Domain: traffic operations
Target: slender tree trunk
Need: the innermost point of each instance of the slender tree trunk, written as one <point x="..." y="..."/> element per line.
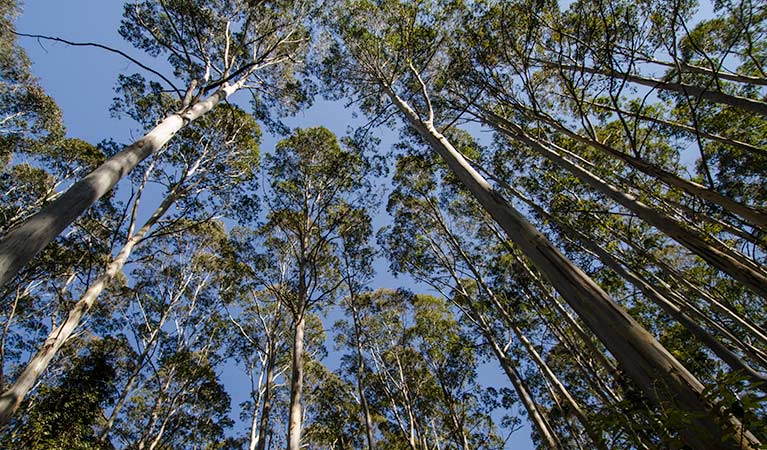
<point x="13" y="396"/>
<point x="735" y="362"/>
<point x="263" y="427"/>
<point x="661" y="377"/>
<point x="743" y="103"/>
<point x="154" y="415"/>
<point x="296" y="384"/>
<point x="737" y="266"/>
<point x="6" y="327"/>
<point x="686" y="128"/>
<point x="717" y="305"/>
<point x="546" y="432"/>
<point x="713" y="73"/>
<point x="139" y="365"/>
<point x="754" y="216"/>
<point x="23" y="242"/>
<point x="545" y="370"/>
<point x="360" y="384"/>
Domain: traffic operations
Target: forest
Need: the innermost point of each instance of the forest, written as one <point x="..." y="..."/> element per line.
<point x="573" y="215"/>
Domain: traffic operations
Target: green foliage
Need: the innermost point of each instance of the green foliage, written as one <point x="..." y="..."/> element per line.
<point x="64" y="415"/>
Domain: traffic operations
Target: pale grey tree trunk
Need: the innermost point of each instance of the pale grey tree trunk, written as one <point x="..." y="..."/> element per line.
<point x="360" y="383"/>
<point x="754" y="216"/>
<point x="535" y="415"/>
<point x="266" y="408"/>
<point x="660" y="376"/>
<point x="22" y="243"/>
<point x="727" y="260"/>
<point x="139" y="365"/>
<point x="735" y="362"/>
<point x="296" y="385"/>
<point x="745" y="103"/>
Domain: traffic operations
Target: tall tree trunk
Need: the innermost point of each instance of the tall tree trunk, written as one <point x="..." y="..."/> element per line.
<point x="263" y="426"/>
<point x="660" y="376"/>
<point x="682" y="127"/>
<point x="154" y="414"/>
<point x="735" y="362"/>
<point x="727" y="260"/>
<point x="754" y="216"/>
<point x="360" y="383"/>
<point x="745" y="103"/>
<point x="545" y="431"/>
<point x="296" y="384"/>
<point x="575" y="408"/>
<point x="13" y="396"/>
<point x="23" y="242"/>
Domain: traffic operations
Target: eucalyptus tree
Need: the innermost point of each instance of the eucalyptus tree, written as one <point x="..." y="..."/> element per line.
<point x="37" y="292"/>
<point x="204" y="172"/>
<point x="215" y="48"/>
<point x="334" y="422"/>
<point x="532" y="100"/>
<point x="35" y="161"/>
<point x="546" y="110"/>
<point x="261" y="345"/>
<point x="356" y="260"/>
<point x="311" y="204"/>
<point x="261" y="338"/>
<point x="630" y="39"/>
<point x="387" y="61"/>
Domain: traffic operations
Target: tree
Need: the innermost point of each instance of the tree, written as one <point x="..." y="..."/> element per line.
<point x="420" y="369"/>
<point x="220" y="151"/>
<point x="310" y="205"/>
<point x="170" y="393"/>
<point x="212" y="58"/>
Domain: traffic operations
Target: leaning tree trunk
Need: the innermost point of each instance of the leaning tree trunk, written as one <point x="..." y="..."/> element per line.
<point x="745" y="146"/>
<point x="139" y="365"/>
<point x="23" y="242"/>
<point x="744" y="103"/>
<point x="660" y="376"/>
<point x="656" y="295"/>
<point x="737" y="266"/>
<point x="542" y="425"/>
<point x="575" y="407"/>
<point x="754" y="216"/>
<point x="14" y="395"/>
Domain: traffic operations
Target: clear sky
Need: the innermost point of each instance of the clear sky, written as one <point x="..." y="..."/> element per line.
<point x="81" y="80"/>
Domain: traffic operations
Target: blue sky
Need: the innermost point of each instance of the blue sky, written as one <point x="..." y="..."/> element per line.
<point x="81" y="80"/>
